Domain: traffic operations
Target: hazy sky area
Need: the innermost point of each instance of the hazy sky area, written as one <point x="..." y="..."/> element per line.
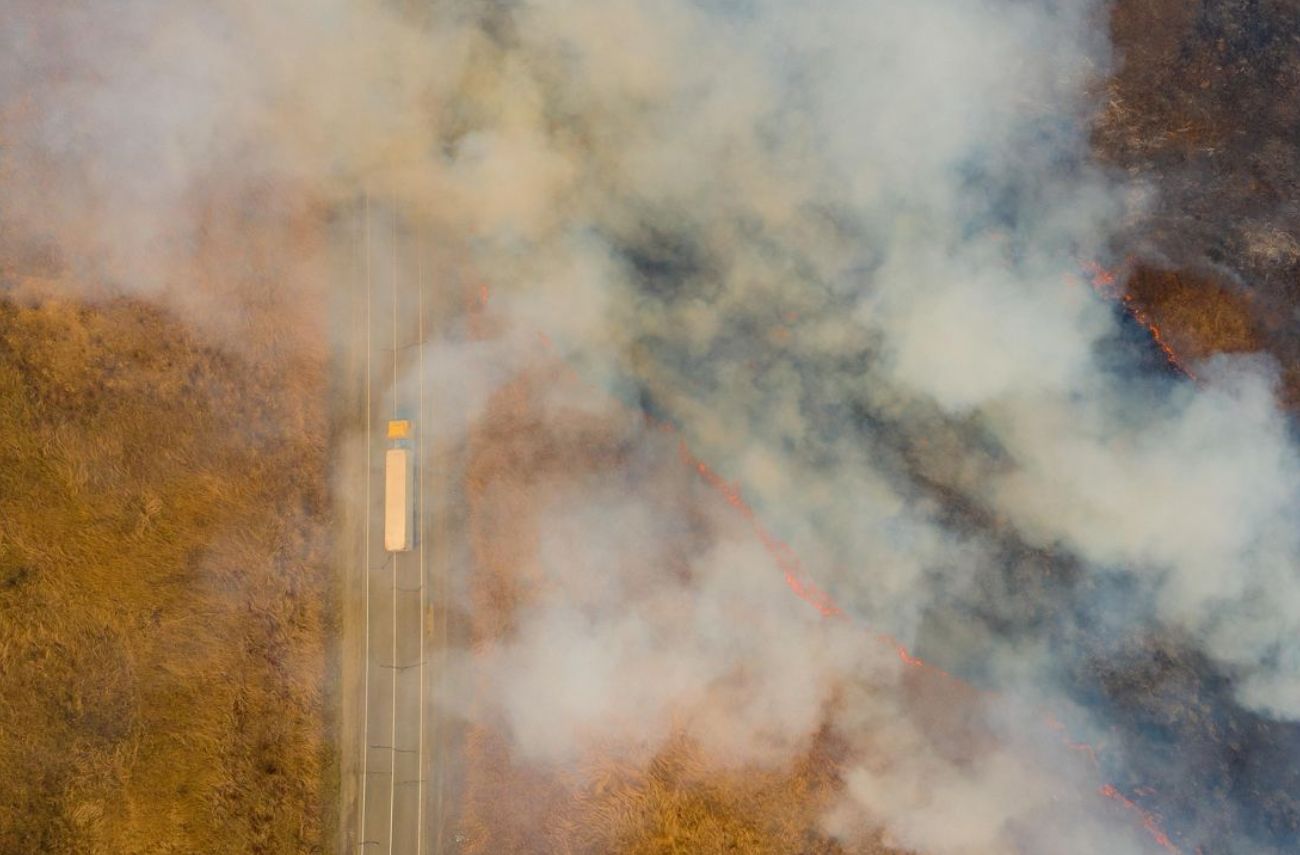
<point x="840" y="246"/>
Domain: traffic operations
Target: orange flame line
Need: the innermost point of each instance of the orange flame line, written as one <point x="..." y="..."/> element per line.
<point x="1149" y="821"/>
<point x="779" y="550"/>
<point x="1105" y="283"/>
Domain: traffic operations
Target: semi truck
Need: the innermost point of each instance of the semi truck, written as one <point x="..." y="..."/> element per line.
<point x="399" y="488"/>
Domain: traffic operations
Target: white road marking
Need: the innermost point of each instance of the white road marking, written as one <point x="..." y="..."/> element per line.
<point x="392" y="769"/>
<point x="420" y="531"/>
<point x="365" y="672"/>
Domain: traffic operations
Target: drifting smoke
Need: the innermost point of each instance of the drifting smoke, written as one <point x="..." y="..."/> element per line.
<point x="838" y="245"/>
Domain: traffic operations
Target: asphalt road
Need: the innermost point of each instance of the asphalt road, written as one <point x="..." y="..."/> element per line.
<point x="398" y="748"/>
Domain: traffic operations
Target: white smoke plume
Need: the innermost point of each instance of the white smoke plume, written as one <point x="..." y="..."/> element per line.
<point x="836" y="243"/>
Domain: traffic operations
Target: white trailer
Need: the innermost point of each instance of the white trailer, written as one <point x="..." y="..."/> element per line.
<point x="399" y="491"/>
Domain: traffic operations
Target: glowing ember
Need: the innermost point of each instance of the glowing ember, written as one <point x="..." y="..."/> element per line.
<point x="909" y="659"/>
<point x="1084" y="748"/>
<point x="1101" y="278"/>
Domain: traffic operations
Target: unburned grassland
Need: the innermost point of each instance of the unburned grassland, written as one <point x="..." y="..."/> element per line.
<point x="164" y="588"/>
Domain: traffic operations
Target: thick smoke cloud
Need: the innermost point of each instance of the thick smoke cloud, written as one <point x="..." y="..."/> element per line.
<point x="836" y="243"/>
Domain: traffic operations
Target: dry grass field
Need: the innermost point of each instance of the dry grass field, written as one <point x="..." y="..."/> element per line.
<point x="165" y="598"/>
<point x="167" y="604"/>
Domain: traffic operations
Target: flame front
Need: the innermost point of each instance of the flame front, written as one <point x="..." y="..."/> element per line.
<point x="1106" y="284"/>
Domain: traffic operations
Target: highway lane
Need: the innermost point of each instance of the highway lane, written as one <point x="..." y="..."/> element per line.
<point x="398" y="749"/>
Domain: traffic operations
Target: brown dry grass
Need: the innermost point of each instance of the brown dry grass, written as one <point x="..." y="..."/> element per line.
<point x="682" y="804"/>
<point x="1197" y="316"/>
<point x="163" y="589"/>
